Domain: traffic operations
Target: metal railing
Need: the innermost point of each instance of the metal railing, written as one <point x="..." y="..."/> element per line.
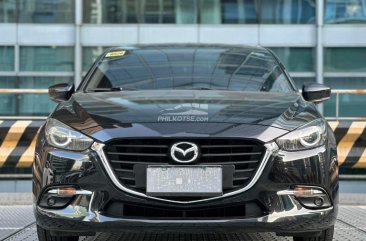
<point x="336" y="92"/>
<point x="23" y="91"/>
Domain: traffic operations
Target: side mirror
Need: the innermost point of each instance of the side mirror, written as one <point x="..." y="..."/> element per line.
<point x="60" y="92"/>
<point x="315" y="93"/>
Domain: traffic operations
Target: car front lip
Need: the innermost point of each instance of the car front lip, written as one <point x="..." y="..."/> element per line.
<point x="84" y="218"/>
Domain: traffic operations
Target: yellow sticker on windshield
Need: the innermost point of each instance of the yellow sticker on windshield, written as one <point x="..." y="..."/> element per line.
<point x="115" y="54"/>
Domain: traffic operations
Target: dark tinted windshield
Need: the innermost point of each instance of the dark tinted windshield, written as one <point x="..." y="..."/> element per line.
<point x="223" y="68"/>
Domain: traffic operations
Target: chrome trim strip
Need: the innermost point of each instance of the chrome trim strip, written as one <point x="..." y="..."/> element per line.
<point x="77" y="192"/>
<point x="288" y="156"/>
<point x="291" y="192"/>
<point x="321" y="100"/>
<point x="98" y="148"/>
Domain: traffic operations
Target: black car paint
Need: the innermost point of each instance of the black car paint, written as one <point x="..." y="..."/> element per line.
<point x="260" y="116"/>
<point x="283" y="111"/>
<point x="278" y="175"/>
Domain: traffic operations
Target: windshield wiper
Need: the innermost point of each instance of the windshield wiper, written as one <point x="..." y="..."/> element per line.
<point x="110" y="89"/>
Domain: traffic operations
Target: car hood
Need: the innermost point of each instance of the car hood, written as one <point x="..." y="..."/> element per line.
<point x="92" y="112"/>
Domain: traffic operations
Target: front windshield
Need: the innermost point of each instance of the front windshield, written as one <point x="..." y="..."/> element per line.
<point x="221" y="68"/>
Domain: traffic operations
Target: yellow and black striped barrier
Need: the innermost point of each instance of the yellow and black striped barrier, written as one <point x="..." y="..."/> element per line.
<point x="351" y="143"/>
<point x="17" y="144"/>
<point x="18" y="139"/>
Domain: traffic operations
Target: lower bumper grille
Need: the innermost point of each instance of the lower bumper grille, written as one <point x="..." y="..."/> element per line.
<point x="243" y="155"/>
<point x="243" y="210"/>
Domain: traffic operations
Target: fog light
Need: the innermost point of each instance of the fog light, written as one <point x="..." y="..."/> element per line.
<point x="319" y="201"/>
<point x="60" y="197"/>
<point x="51" y="201"/>
<point x="309" y="197"/>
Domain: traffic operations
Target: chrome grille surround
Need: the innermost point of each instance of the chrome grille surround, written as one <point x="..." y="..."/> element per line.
<point x="98" y="148"/>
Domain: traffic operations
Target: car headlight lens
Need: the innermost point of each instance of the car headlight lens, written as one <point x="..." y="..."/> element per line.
<point x="61" y="136"/>
<point x="308" y="136"/>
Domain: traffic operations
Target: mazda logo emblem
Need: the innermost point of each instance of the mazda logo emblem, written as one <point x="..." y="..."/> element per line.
<point x="184" y="152"/>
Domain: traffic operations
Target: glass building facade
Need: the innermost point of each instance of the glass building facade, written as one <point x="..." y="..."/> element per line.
<point x="43" y="42"/>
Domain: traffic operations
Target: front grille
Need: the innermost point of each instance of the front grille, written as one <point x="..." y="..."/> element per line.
<point x="126" y="154"/>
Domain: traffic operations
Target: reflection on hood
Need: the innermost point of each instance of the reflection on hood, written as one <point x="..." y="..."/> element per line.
<point x="86" y="110"/>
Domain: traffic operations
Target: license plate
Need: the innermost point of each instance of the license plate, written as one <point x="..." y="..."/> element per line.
<point x="184" y="181"/>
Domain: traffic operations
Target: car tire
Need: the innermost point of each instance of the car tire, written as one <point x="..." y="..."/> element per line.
<point x="45" y="235"/>
<point x="326" y="235"/>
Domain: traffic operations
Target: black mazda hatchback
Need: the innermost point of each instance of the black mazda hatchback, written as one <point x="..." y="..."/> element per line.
<point x="186" y="138"/>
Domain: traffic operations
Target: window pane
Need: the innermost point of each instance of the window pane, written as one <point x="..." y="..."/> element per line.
<point x="255" y="11"/>
<point x="7" y="11"/>
<point x="28" y="104"/>
<point x="186" y="11"/>
<point x="345" y="11"/>
<point x="38" y="104"/>
<point x="131" y="11"/>
<point x="300" y="81"/>
<point x="345" y="60"/>
<point x="42" y="82"/>
<point x="45" y="11"/>
<point x="90" y="54"/>
<point x="158" y="11"/>
<point x="6" y="58"/>
<point x="47" y="58"/>
<point x="296" y="59"/>
<point x="287" y="12"/>
<point x="8" y="101"/>
<point x="210" y="11"/>
<point x="349" y="105"/>
<point x="35" y="105"/>
<point x="234" y="11"/>
<point x="229" y="11"/>
<point x="110" y="11"/>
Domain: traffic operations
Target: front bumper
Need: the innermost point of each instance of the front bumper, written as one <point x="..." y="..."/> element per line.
<point x="283" y="213"/>
<point x="296" y="220"/>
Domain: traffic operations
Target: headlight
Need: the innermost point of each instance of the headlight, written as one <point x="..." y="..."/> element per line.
<point x="308" y="136"/>
<point x="61" y="136"/>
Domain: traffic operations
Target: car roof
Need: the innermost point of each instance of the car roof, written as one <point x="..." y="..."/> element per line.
<point x="236" y="47"/>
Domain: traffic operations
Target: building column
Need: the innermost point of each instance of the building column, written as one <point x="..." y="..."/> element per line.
<point x="78" y="48"/>
<point x="319" y="45"/>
